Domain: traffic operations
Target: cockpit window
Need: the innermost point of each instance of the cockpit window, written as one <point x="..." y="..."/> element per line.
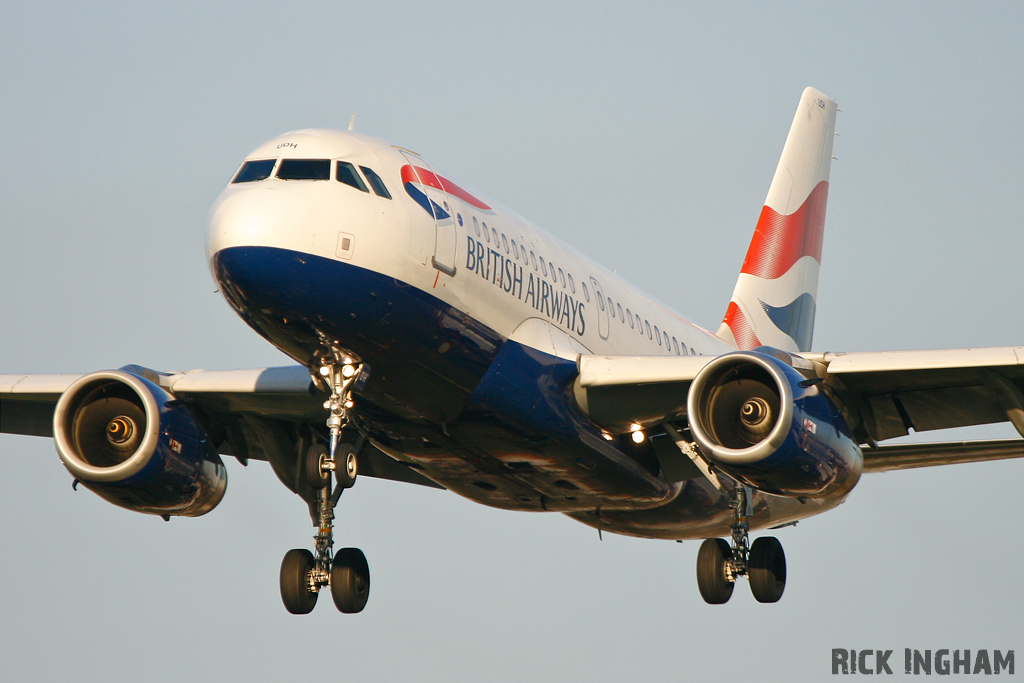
<point x="346" y="173"/>
<point x="252" y="171"/>
<point x="376" y="183"/>
<point x="304" y="169"/>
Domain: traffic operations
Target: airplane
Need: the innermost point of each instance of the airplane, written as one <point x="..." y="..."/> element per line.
<point x="442" y="340"/>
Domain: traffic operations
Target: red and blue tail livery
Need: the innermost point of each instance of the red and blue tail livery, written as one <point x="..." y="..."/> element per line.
<point x="774" y="300"/>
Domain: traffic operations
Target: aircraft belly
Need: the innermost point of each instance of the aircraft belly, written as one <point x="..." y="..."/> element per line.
<point x="425" y="357"/>
<point x="700" y="511"/>
<point x="489" y="419"/>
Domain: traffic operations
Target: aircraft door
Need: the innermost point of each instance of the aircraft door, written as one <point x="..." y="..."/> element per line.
<point x="435" y="201"/>
<point x="603" y="322"/>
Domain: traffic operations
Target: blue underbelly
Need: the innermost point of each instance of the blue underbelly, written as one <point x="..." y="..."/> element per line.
<point x="426" y="357"/>
<point x="490" y="419"/>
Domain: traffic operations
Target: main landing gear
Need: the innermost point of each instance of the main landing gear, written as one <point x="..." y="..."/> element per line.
<point x="719" y="564"/>
<point x="303" y="573"/>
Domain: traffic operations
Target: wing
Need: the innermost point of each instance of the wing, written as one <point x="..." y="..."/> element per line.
<point x="881" y="395"/>
<point x="891" y="393"/>
<point x="249" y="414"/>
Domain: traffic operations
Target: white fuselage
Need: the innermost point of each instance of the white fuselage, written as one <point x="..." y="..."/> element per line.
<point x="509" y="274"/>
<point x="396" y="268"/>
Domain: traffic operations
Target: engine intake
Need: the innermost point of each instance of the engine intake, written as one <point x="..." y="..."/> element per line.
<point x="130" y="442"/>
<point x="761" y="422"/>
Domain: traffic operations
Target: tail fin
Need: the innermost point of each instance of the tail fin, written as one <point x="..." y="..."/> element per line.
<point x="773" y="303"/>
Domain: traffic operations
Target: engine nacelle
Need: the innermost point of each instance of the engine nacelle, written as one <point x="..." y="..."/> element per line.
<point x="130" y="442"/>
<point x="763" y="423"/>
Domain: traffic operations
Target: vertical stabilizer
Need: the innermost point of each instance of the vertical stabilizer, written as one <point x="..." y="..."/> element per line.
<point x="774" y="300"/>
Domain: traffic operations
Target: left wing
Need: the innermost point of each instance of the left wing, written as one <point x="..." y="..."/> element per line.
<point x="881" y="395"/>
<point x="894" y="392"/>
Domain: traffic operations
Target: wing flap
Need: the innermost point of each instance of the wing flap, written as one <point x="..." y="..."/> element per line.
<point x="909" y="456"/>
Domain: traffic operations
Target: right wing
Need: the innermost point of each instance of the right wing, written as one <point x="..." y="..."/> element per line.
<point x="249" y="414"/>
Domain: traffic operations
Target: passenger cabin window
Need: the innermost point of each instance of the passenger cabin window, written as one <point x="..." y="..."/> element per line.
<point x="304" y="169"/>
<point x="377" y="184"/>
<point x="347" y="173"/>
<point x="252" y="171"/>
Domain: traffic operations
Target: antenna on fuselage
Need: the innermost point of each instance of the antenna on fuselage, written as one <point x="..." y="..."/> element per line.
<point x="352" y="122"/>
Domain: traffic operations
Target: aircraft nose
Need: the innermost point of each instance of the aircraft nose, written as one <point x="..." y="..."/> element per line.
<point x="260" y="217"/>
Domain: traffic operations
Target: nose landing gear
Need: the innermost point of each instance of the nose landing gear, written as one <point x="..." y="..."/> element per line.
<point x="303" y="573"/>
<point x="719" y="565"/>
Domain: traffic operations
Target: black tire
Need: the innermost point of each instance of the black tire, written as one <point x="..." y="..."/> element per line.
<point x="767" y="569"/>
<point x="350" y="580"/>
<point x="346" y="467"/>
<point x="711" y="559"/>
<point x="295" y="593"/>
<point x="315" y="474"/>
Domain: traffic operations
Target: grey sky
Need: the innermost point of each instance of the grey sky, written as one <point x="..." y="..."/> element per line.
<point x="646" y="137"/>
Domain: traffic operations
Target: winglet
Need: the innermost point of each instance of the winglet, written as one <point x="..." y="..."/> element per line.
<point x="774" y="300"/>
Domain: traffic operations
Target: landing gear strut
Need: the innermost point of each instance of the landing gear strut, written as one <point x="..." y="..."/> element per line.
<point x="719" y="564"/>
<point x="303" y="573"/>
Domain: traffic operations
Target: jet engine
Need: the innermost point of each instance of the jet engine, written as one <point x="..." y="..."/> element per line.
<point x="135" y="445"/>
<point x="762" y="422"/>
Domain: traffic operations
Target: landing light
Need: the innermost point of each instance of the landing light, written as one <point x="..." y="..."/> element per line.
<point x="638" y="436"/>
